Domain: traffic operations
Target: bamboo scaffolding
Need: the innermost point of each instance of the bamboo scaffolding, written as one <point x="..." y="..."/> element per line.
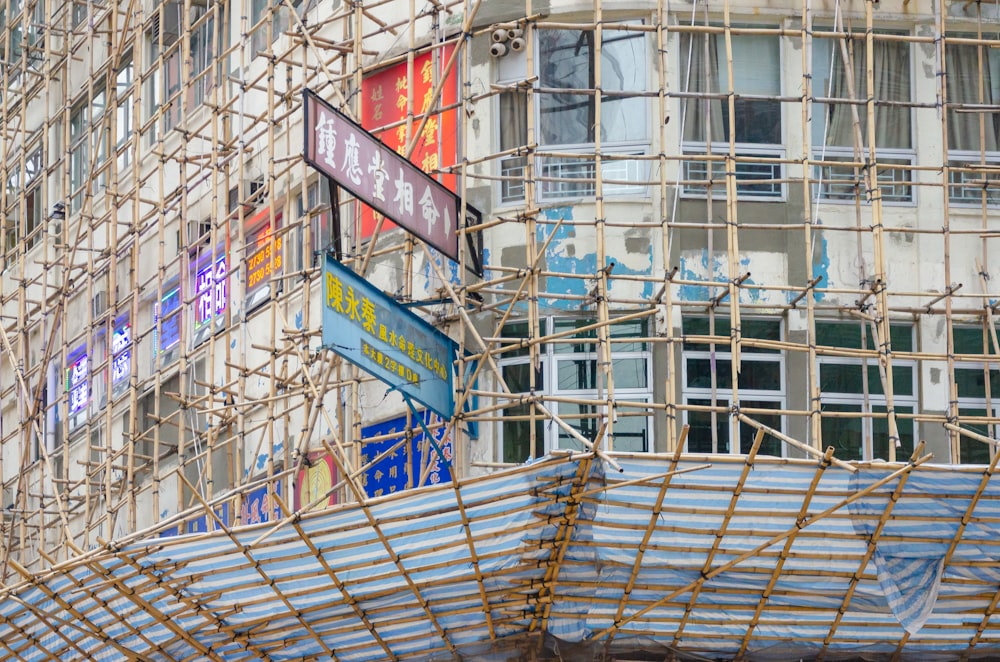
<point x="244" y="404"/>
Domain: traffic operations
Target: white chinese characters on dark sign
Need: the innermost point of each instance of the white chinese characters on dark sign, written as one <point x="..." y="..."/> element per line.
<point x="381" y="178"/>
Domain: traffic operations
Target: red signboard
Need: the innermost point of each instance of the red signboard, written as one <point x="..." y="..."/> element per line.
<point x="387" y="96"/>
<point x="381" y="178"/>
<point x="315" y="481"/>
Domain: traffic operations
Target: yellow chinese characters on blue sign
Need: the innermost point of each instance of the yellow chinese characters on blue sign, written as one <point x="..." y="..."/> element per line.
<point x="375" y="333"/>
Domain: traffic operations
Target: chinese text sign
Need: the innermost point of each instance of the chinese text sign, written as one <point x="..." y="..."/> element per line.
<point x="375" y="333"/>
<point x="387" y="94"/>
<point x="378" y="176"/>
<point x="404" y="467"/>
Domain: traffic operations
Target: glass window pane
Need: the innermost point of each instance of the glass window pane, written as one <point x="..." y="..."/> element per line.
<point x="902" y="380"/>
<point x="841" y="378"/>
<point x="629" y="373"/>
<point x="756" y="69"/>
<point x="848" y="335"/>
<point x="769" y="445"/>
<point x="517" y="435"/>
<point x="567" y="62"/>
<point x="515" y="331"/>
<point x="833" y="123"/>
<point x="973" y="451"/>
<point x="631" y="431"/>
<point x="567" y="118"/>
<point x="583" y="418"/>
<point x="518" y="377"/>
<point x="972" y="131"/>
<point x="699" y="439"/>
<point x="577" y="375"/>
<point x="880" y="434"/>
<point x="971" y="383"/>
<point x="763" y="329"/>
<point x="844" y="434"/>
<point x="629" y="329"/>
<point x="623" y="68"/>
<point x="699" y="373"/>
<point x="972" y="340"/>
<point x="567" y="343"/>
<point x="839" y="334"/>
<point x="760" y="375"/>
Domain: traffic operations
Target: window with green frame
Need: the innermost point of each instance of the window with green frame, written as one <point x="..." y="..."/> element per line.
<point x="854" y="414"/>
<point x="568" y="372"/>
<point x="977" y="380"/>
<point x="708" y="385"/>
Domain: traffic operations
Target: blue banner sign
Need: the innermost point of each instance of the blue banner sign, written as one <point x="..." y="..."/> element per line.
<point x="201" y="524"/>
<point x="258" y="506"/>
<point x="403" y="467"/>
<point x="375" y="333"/>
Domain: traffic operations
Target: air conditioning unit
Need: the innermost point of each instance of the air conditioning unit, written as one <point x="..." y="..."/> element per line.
<point x="254" y="192"/>
<point x="99" y="304"/>
<point x="169" y="26"/>
<point x="199" y="232"/>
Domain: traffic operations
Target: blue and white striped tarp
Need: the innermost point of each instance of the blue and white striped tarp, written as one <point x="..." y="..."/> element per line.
<point x="562" y="554"/>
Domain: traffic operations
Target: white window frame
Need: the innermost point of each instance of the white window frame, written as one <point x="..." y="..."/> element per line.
<point x="906" y="156"/>
<point x="724" y="396"/>
<point x="632" y="170"/>
<point x="900" y="160"/>
<point x="554" y="437"/>
<point x="866" y="402"/>
<point x="690" y="170"/>
<point x="974" y="158"/>
<point x="966" y="403"/>
<point x="124" y="119"/>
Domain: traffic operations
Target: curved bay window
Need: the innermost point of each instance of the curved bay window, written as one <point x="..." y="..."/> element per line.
<point x="566" y="114"/>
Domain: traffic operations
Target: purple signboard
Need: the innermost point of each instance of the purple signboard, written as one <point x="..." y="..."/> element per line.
<point x="378" y="176"/>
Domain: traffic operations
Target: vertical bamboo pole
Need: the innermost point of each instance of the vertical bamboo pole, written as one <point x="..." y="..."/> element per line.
<point x="815" y="429"/>
<point x="607" y="413"/>
<point x="732" y="230"/>
<point x="941" y="50"/>
<point x="535" y="446"/>
<point x="670" y="394"/>
<point x="880" y="276"/>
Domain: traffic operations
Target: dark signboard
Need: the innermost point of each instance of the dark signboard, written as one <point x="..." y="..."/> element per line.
<point x="378" y="176"/>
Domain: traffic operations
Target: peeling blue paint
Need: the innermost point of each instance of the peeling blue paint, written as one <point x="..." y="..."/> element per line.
<point x="262" y="461"/>
<point x="557" y="260"/>
<point x="452" y="270"/>
<point x="698" y="270"/>
<point x="298" y="320"/>
<point x="821" y="266"/>
<point x="233" y="344"/>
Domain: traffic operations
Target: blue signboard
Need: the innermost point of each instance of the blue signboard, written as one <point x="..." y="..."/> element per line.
<point x="375" y="333"/>
<point x="404" y="467"/>
<point x="259" y="507"/>
<point x="200" y="524"/>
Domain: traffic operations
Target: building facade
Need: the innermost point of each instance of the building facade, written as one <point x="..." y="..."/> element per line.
<point x="698" y="221"/>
